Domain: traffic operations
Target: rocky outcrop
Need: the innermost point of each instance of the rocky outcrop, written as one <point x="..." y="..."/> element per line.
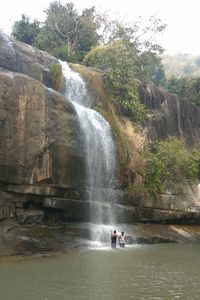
<point x="40" y="134"/>
<point x="169" y="115"/>
<point x="18" y="57"/>
<point x="44" y="240"/>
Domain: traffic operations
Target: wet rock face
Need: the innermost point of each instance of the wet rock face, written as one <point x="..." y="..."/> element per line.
<point x="169" y="115"/>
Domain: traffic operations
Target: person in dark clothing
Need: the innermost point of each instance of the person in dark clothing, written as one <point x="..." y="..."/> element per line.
<point x="114" y="239"/>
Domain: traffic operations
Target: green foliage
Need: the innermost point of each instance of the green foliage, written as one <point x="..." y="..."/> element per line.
<point x="187" y="87"/>
<point x="196" y="157"/>
<point x="87" y="36"/>
<point x="139" y="36"/>
<point x="46" y="40"/>
<point x="154" y="173"/>
<point x="62" y="20"/>
<point x="123" y="92"/>
<point x="151" y="68"/>
<point x="64" y="53"/>
<point x="169" y="161"/>
<point x="123" y="59"/>
<point x="119" y="78"/>
<point x="65" y="33"/>
<point x="26" y="31"/>
<point x="70" y="36"/>
<point x="56" y="70"/>
<point x="138" y="41"/>
<point x="99" y="57"/>
<point x="74" y="34"/>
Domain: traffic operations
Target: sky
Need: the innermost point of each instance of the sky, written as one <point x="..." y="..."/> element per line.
<point x="182" y="17"/>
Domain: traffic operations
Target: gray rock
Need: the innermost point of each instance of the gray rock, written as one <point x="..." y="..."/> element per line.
<point x="170" y="115"/>
<point x="22" y="58"/>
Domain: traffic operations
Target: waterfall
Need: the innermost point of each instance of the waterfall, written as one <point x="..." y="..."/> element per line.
<point x="100" y="149"/>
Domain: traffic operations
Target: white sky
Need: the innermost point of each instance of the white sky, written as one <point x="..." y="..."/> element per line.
<point x="182" y="17"/>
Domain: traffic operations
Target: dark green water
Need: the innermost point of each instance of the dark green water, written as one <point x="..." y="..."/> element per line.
<point x="162" y="271"/>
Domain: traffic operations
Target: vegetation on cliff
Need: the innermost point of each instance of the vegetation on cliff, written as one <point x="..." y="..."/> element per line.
<point x="170" y="162"/>
<point x="119" y="77"/>
<point x="187" y="87"/>
<point x="57" y="76"/>
<point x="182" y="76"/>
<point x="70" y="35"/>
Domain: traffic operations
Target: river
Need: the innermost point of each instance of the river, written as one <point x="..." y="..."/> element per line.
<point x="159" y="271"/>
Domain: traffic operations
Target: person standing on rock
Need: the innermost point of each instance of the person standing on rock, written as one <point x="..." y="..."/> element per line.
<point x="122" y="240"/>
<point x="114" y="239"/>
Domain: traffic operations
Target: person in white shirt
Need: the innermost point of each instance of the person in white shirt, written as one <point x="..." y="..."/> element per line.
<point x="122" y="240"/>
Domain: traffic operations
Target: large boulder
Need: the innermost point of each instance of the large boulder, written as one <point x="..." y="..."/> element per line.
<point x="40" y="134"/>
<point x="22" y="58"/>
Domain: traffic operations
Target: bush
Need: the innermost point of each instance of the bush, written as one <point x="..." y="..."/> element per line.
<point x="119" y="63"/>
<point x="169" y="161"/>
<point x="123" y="92"/>
<point x="57" y="77"/>
<point x="64" y="54"/>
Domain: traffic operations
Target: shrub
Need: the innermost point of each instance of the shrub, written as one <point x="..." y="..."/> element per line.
<point x="169" y="161"/>
<point x="56" y="70"/>
<point x="64" y="53"/>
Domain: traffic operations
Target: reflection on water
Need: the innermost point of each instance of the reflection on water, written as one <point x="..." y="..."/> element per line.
<point x="162" y="271"/>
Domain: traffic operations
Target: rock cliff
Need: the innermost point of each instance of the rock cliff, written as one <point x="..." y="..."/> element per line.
<point x="42" y="150"/>
<point x="169" y="115"/>
<point x="42" y="154"/>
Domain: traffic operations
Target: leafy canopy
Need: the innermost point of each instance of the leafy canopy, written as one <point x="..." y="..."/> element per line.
<point x="25" y="30"/>
<point x="187" y="87"/>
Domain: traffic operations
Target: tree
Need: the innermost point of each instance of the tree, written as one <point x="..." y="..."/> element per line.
<point x="62" y="21"/>
<point x="87" y="36"/>
<point x="141" y="44"/>
<point x="25" y="30"/>
<point x="139" y="36"/>
<point x="187" y="87"/>
<point x="121" y="86"/>
<point x="66" y="34"/>
<point x="150" y="68"/>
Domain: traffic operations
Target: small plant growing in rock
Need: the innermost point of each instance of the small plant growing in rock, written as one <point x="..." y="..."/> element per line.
<point x="57" y="77"/>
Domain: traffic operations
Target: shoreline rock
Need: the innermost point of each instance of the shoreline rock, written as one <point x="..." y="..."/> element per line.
<point x="46" y="240"/>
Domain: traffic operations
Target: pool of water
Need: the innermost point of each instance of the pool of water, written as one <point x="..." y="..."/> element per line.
<point x="161" y="271"/>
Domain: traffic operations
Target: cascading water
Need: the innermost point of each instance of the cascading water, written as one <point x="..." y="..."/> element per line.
<point x="100" y="149"/>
